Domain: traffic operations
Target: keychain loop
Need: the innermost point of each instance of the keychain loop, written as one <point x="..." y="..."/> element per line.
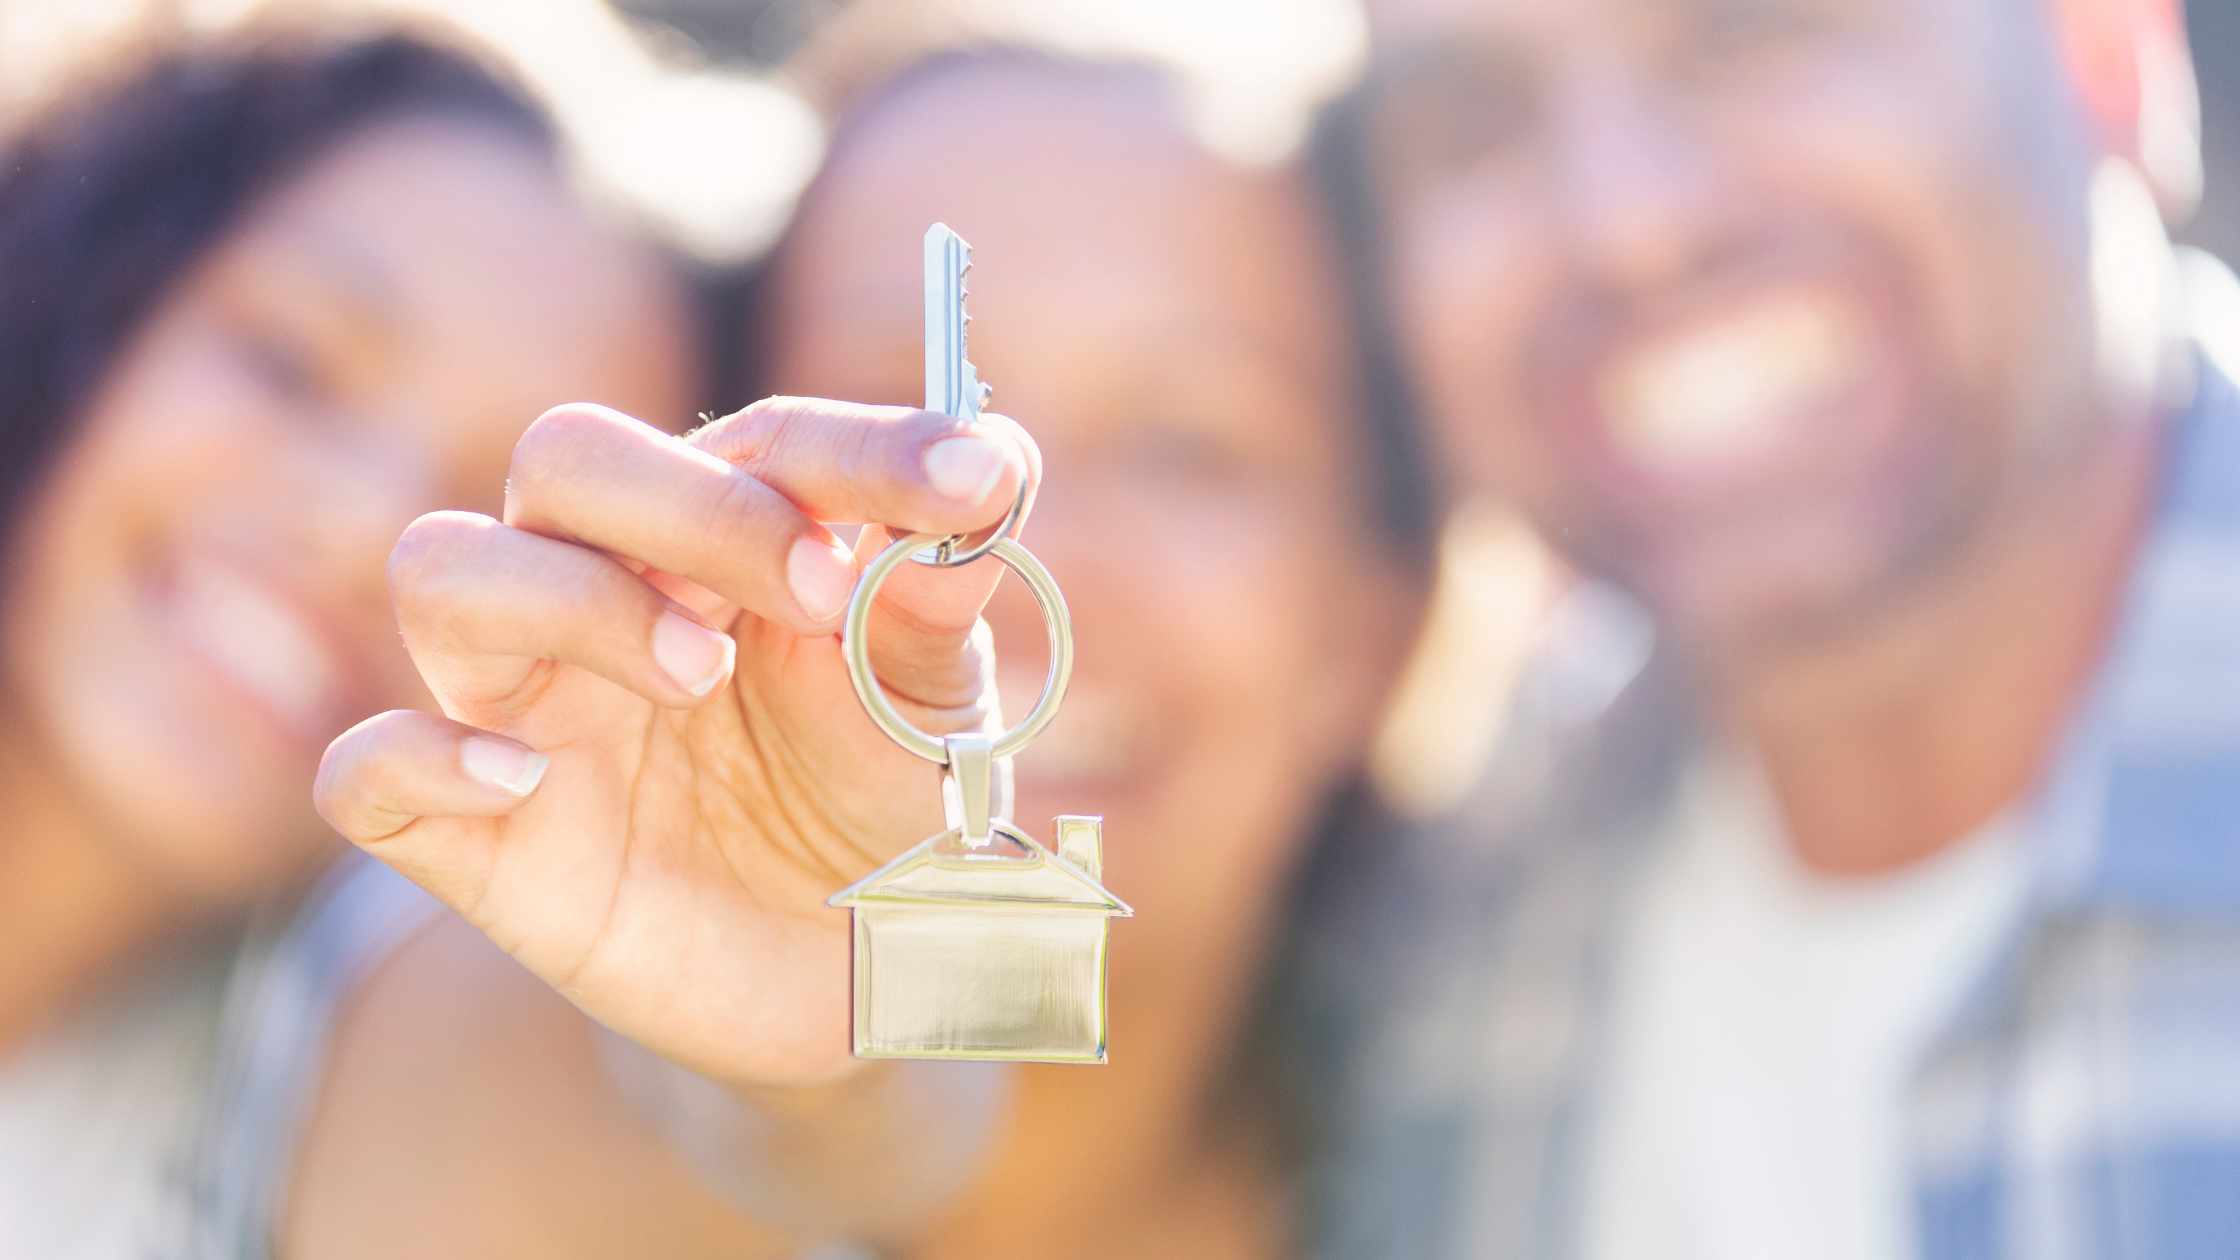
<point x="946" y="554"/>
<point x="855" y="645"/>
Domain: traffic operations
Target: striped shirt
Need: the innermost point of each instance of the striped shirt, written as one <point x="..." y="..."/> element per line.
<point x="2082" y="1098"/>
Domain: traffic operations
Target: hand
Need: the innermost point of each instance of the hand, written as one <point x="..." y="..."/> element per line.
<point x="652" y="770"/>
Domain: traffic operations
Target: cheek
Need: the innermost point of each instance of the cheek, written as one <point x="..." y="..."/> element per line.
<point x="169" y="425"/>
<point x="1473" y="264"/>
<point x="1229" y="664"/>
<point x="93" y="660"/>
<point x="1257" y="608"/>
<point x="1957" y="197"/>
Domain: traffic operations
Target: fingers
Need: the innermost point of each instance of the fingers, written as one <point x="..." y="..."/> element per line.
<point x="482" y="606"/>
<point x="736" y="507"/>
<point x="927" y="641"/>
<point x="912" y="470"/>
<point x="590" y="475"/>
<point x="387" y="772"/>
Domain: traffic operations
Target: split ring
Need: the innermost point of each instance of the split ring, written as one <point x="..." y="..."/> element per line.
<point x="855" y="643"/>
<point x="950" y="550"/>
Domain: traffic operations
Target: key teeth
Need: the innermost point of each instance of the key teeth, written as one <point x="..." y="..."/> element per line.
<point x="975" y="392"/>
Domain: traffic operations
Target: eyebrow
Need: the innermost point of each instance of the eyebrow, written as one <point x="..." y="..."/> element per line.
<point x="325" y="255"/>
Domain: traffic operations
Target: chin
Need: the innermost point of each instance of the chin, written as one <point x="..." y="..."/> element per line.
<point x="226" y="861"/>
<point x="220" y="826"/>
<point x="1785" y="618"/>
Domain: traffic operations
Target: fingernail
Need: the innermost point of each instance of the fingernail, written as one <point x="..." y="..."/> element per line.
<point x="693" y="656"/>
<point x="502" y="764"/>
<point x="964" y="468"/>
<point x="821" y="577"/>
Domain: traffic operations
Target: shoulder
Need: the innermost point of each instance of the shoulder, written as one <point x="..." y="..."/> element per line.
<point x="464" y="1102"/>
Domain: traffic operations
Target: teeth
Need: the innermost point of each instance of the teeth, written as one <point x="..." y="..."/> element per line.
<point x="1731" y="388"/>
<point x="258" y="639"/>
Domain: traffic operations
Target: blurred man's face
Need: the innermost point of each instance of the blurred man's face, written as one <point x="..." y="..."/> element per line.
<point x="1762" y="308"/>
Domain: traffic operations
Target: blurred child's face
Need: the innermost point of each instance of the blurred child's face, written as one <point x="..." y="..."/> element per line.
<point x="1165" y="325"/>
<point x="196" y="601"/>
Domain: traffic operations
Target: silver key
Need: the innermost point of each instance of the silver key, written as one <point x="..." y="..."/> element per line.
<point x="953" y="387"/>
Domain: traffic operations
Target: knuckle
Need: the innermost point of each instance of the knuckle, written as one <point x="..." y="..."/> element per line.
<point x="559" y="440"/>
<point x="741" y="512"/>
<point x="748" y="437"/>
<point x="429" y="551"/>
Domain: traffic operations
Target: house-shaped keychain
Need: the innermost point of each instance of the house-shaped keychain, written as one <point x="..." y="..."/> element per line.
<point x="979" y="943"/>
<point x="988" y="952"/>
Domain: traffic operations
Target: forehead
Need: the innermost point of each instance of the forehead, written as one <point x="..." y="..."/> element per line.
<point x="448" y="229"/>
<point x="1000" y="153"/>
<point x="1078" y="186"/>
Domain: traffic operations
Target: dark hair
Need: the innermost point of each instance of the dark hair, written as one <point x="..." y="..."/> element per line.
<point x="111" y="193"/>
<point x="1267" y="1087"/>
<point x="1408" y="494"/>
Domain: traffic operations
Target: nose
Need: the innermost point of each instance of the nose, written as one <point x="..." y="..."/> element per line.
<point x="352" y="500"/>
<point x="1641" y="199"/>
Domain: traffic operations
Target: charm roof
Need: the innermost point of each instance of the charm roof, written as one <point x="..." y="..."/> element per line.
<point x="1014" y="871"/>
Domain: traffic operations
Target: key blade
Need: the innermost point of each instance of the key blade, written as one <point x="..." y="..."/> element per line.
<point x="953" y="386"/>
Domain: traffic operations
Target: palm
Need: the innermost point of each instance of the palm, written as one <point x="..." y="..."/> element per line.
<point x="669" y="871"/>
<point x="670" y="876"/>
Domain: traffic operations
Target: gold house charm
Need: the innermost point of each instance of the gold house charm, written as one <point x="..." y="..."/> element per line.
<point x="996" y="952"/>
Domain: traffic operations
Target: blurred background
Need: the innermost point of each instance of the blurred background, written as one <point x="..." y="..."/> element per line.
<point x="702" y="125"/>
<point x="651" y="83"/>
<point x="701" y="119"/>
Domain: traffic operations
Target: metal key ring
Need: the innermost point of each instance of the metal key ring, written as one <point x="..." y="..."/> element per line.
<point x="949" y="551"/>
<point x="855" y="645"/>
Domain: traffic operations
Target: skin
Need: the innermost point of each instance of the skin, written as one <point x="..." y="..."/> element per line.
<point x="1908" y="582"/>
<point x="668" y="869"/>
<point x="321" y="375"/>
<point x="1913" y="608"/>
<point x="1195" y="415"/>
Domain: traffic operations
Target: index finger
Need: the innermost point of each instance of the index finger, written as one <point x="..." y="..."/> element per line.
<point x="849" y="462"/>
<point x="901" y="467"/>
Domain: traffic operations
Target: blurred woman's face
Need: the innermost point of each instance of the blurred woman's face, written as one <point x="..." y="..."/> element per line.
<point x="196" y="601"/>
<point x="1163" y="323"/>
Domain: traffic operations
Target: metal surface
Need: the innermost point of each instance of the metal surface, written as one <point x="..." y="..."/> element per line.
<point x="856" y="647"/>
<point x="953" y="384"/>
<point x="972" y="768"/>
<point x="961" y="549"/>
<point x="997" y="953"/>
<point x="978" y="943"/>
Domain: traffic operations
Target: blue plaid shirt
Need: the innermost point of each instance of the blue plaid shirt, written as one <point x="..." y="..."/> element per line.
<point x="2084" y="1098"/>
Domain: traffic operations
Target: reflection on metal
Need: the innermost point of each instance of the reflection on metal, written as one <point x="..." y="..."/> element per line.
<point x="953" y="384"/>
<point x="978" y="943"/>
<point x="995" y="952"/>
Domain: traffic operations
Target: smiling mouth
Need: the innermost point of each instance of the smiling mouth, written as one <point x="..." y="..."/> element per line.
<point x="255" y="636"/>
<point x="1730" y="390"/>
